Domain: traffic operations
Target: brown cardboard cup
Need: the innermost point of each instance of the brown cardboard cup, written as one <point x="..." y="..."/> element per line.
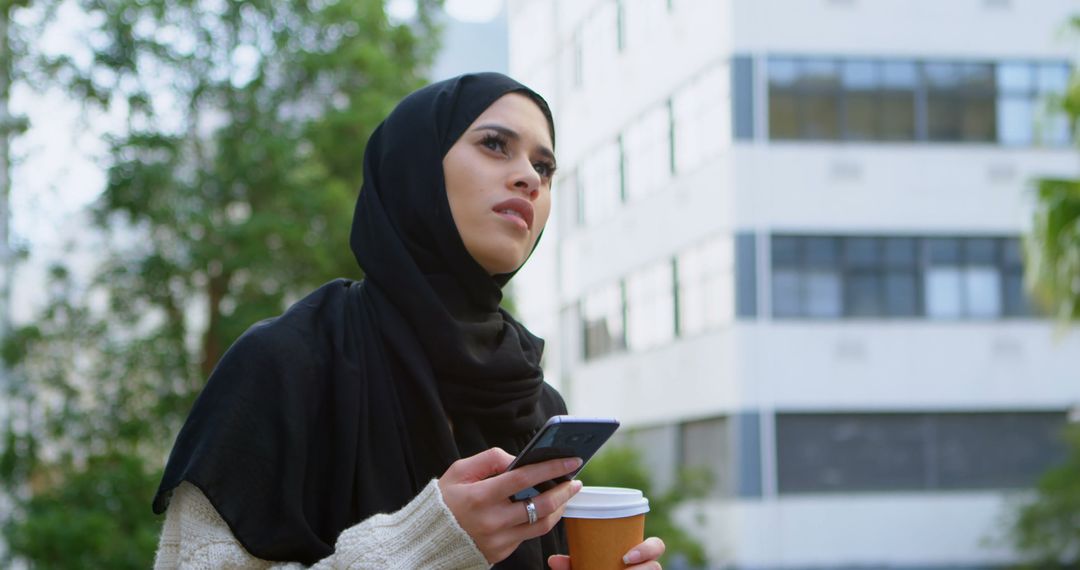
<point x="603" y="524"/>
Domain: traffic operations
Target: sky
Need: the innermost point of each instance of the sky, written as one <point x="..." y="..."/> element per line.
<point x="58" y="162"/>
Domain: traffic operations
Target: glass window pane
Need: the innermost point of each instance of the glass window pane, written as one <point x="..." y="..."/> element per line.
<point x="943" y="251"/>
<point x="898" y="115"/>
<point x="819" y="115"/>
<point x="1053" y="78"/>
<point x="650" y="307"/>
<point x="705" y="445"/>
<point x="861" y="116"/>
<point x="900" y="252"/>
<point x="783" y="115"/>
<point x="602" y="315"/>
<point x="1015" y="118"/>
<point x="1016" y="302"/>
<point x="901" y="294"/>
<point x="786" y="298"/>
<point x="821" y="251"/>
<point x="850" y="452"/>
<point x="981" y="251"/>
<point x="942" y="76"/>
<point x="861" y="252"/>
<point x="860" y="76"/>
<point x="977" y="78"/>
<point x="1015" y="78"/>
<point x="979" y="120"/>
<point x="1011" y="253"/>
<point x="782" y="72"/>
<point x="997" y="450"/>
<point x="983" y="292"/>
<point x="785" y="251"/>
<point x="822" y="290"/>
<point x="943" y="292"/>
<point x="944" y="114"/>
<point x="819" y="75"/>
<point x="899" y="75"/>
<point x="863" y="295"/>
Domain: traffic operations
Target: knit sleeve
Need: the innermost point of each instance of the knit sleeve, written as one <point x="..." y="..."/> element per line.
<point x="423" y="534"/>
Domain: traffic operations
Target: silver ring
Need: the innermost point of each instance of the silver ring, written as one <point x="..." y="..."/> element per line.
<point x="530" y="509"/>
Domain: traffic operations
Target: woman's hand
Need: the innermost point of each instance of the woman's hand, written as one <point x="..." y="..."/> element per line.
<point x="642" y="556"/>
<point x="477" y="491"/>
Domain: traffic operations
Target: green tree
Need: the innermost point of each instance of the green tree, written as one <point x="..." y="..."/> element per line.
<point x="623" y="467"/>
<point x="1045" y="530"/>
<point x="229" y="195"/>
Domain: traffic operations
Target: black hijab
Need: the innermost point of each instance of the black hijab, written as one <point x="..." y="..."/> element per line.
<point x="341" y="408"/>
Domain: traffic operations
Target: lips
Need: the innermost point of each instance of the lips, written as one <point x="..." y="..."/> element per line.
<point x="515" y="209"/>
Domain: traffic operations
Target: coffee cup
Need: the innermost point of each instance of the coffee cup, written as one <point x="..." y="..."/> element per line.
<point x="603" y="524"/>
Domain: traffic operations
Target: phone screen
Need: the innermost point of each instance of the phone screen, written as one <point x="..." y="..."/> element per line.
<point x="563" y="436"/>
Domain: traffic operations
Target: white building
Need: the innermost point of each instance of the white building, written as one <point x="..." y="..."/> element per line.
<point x="785" y="247"/>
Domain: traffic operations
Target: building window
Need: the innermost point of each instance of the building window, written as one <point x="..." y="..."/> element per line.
<point x="701" y="120"/>
<point x="1023" y="115"/>
<point x="806" y="277"/>
<point x="706" y="296"/>
<point x="650" y="307"/>
<point x="960" y="102"/>
<point x="897" y="277"/>
<point x="706" y="447"/>
<point x="601" y="182"/>
<point x="876" y="100"/>
<point x="823" y="452"/>
<point x="603" y="316"/>
<point x="647" y="146"/>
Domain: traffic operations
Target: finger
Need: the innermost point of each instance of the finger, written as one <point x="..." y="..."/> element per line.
<point x="480" y="466"/>
<point x="530" y="475"/>
<point x="542" y="526"/>
<point x="553" y="501"/>
<point x="555" y="498"/>
<point x="651" y="549"/>
<point x="559" y="562"/>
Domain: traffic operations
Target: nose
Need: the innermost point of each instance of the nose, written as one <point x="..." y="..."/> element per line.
<point x="525" y="179"/>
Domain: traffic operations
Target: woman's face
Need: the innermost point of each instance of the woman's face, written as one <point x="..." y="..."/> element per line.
<point x="498" y="182"/>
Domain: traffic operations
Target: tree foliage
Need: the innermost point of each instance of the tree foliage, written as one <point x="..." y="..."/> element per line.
<point x="229" y="194"/>
<point x="1045" y="530"/>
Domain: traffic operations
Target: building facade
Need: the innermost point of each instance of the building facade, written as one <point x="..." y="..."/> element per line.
<point x="786" y="247"/>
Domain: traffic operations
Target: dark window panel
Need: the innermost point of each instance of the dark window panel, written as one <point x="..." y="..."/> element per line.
<point x="850" y="452"/>
<point x="821" y="251"/>
<point x="980" y="251"/>
<point x="786" y="295"/>
<point x="819" y="75"/>
<point x="863" y="291"/>
<point x="1016" y="301"/>
<point x="1011" y="252"/>
<point x="901" y="294"/>
<point x="996" y="450"/>
<point x="862" y="116"/>
<point x="745" y="275"/>
<point x="783" y="115"/>
<point x="861" y="252"/>
<point x="978" y="121"/>
<point x="943" y="251"/>
<point x="819" y="116"/>
<point x="897" y="115"/>
<point x="742" y="100"/>
<point x="786" y="251"/>
<point x="900" y="252"/>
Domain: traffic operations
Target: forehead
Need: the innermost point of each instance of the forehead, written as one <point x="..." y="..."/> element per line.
<point x="520" y="113"/>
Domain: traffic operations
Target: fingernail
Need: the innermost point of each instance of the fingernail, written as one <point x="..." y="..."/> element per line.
<point x="576" y="485"/>
<point x="572" y="463"/>
<point x="632" y="557"/>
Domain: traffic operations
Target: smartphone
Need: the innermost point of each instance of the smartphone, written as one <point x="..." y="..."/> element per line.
<point x="563" y="436"/>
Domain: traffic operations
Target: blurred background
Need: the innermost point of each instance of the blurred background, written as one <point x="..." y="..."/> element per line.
<point x="820" y="257"/>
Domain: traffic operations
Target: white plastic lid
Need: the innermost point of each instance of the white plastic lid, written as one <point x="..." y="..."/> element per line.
<point x="606" y="503"/>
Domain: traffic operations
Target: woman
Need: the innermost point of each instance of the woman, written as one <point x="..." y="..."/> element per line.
<point x="334" y="434"/>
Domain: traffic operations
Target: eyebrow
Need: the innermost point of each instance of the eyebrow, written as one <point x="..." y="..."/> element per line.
<point x="514" y="135"/>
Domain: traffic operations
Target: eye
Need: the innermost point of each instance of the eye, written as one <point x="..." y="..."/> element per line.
<point x="494" y="142"/>
<point x="546" y="170"/>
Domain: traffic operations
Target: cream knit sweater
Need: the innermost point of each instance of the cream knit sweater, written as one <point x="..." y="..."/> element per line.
<point x="423" y="534"/>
